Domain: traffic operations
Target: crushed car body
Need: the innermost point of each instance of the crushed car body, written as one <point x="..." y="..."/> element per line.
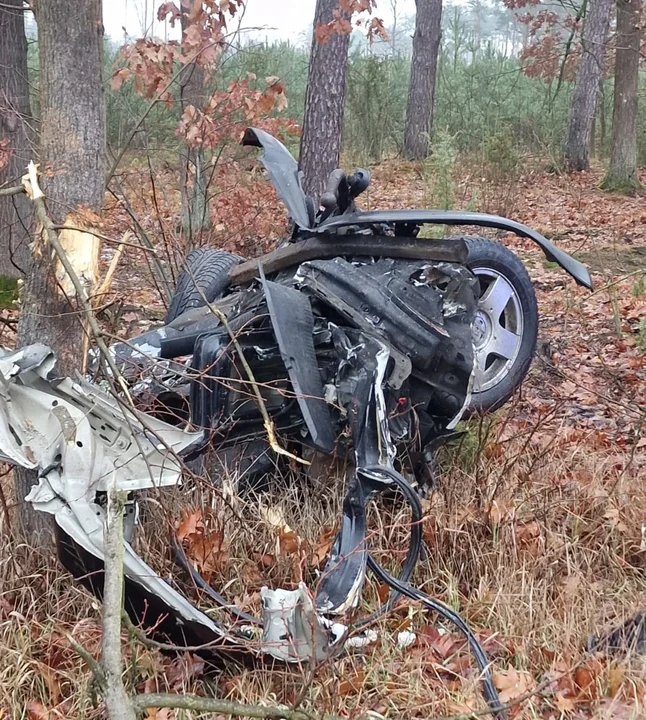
<point x="357" y="338"/>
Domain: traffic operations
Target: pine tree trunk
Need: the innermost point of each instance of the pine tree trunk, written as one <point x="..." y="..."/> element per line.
<point x="324" y="103"/>
<point x="73" y="162"/>
<point x="601" y="103"/>
<point x="421" y="91"/>
<point x="16" y="129"/>
<point x="193" y="174"/>
<point x="586" y="88"/>
<point x="622" y="173"/>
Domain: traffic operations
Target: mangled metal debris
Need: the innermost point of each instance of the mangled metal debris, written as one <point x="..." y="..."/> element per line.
<point x="357" y="338"/>
<point x="83" y="440"/>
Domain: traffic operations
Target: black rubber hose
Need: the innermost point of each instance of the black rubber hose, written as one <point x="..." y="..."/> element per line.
<point x="182" y="560"/>
<point x="415" y="542"/>
<point x="179" y="345"/>
<point x="403" y="588"/>
<point x="489" y="689"/>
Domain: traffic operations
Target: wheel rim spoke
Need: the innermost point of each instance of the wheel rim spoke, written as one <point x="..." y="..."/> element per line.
<point x="498" y="336"/>
<point x="504" y="343"/>
<point x="496" y="297"/>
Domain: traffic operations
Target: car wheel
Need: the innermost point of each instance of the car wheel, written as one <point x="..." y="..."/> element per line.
<point x="505" y="328"/>
<point x="205" y="278"/>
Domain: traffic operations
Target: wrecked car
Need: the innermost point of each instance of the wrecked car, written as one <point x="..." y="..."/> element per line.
<point x="358" y="337"/>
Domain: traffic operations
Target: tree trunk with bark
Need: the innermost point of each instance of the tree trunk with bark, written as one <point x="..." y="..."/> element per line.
<point x="622" y="173"/>
<point x="601" y="118"/>
<point x="324" y="103"/>
<point x="15" y="139"/>
<point x="194" y="176"/>
<point x="73" y="163"/>
<point x="421" y="90"/>
<point x="586" y="87"/>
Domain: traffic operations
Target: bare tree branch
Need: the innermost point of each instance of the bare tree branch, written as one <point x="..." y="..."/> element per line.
<point x="90" y="661"/>
<point x="117" y="702"/>
<point x="214" y="705"/>
<point x="16" y="190"/>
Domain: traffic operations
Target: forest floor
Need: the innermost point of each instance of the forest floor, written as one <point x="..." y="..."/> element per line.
<point x="534" y="532"/>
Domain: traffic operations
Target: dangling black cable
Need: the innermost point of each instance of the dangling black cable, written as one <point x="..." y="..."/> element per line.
<point x="399" y="585"/>
<point x="414" y="545"/>
<point x="489" y="689"/>
<point x="183" y="561"/>
<point x="403" y="588"/>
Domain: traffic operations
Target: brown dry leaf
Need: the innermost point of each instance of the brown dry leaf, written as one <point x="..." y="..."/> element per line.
<point x="383" y="592"/>
<point x="498" y="511"/>
<point x="267" y="560"/>
<point x="191" y="523"/>
<point x="512" y="683"/>
<point x="208" y="551"/>
<point x="352" y="684"/>
<point x="159" y="714"/>
<point x="322" y="550"/>
<point x="565" y="704"/>
<point x="53" y="686"/>
<point x="36" y="710"/>
<point x="528" y="532"/>
<point x="429" y="529"/>
<point x="288" y="541"/>
<point x="611" y="708"/>
<point x="251" y="576"/>
<point x="584" y="679"/>
<point x="494" y="644"/>
<point x="183" y="670"/>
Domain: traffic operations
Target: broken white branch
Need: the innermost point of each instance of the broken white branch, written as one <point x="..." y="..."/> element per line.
<point x="36" y="194"/>
<point x="30" y="181"/>
<point x="107" y="280"/>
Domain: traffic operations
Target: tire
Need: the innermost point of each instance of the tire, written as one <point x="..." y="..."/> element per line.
<point x="205" y="278"/>
<point x="507" y="308"/>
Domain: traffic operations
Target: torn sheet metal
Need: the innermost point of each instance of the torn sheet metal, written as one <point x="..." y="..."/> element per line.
<point x="292" y="630"/>
<point x="293" y="323"/>
<point x="82" y="442"/>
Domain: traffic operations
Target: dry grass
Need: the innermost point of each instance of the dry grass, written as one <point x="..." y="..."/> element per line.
<point x="538" y="547"/>
<point x="533" y="533"/>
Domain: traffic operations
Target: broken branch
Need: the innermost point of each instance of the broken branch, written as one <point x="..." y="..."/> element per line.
<point x="38" y="199"/>
<point x="117" y="702"/>
<point x="214" y="705"/>
<point x="268" y="423"/>
<point x="107" y="281"/>
<point x="16" y="190"/>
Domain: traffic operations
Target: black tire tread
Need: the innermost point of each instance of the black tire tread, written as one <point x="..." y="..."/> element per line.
<point x="206" y="276"/>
